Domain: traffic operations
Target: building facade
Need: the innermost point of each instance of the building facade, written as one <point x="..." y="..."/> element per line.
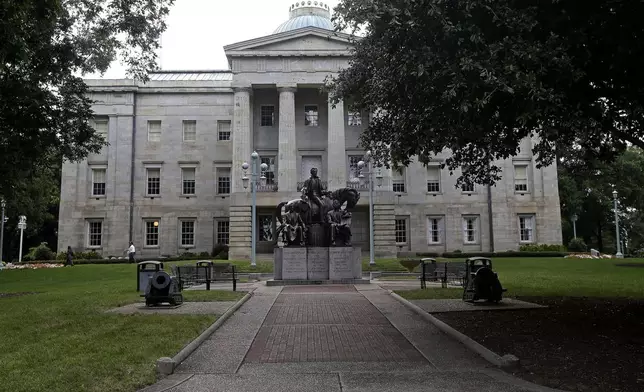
<point x="170" y="179"/>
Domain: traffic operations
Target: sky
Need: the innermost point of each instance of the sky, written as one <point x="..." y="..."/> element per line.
<point x="197" y="31"/>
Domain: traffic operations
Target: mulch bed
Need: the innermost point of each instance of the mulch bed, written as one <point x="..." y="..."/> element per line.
<point x="577" y="344"/>
<point x="17" y="294"/>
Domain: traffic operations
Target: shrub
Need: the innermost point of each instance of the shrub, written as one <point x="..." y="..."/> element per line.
<point x="40" y="252"/>
<point x="512" y="253"/>
<point x="542" y="248"/>
<point x="577" y="245"/>
<point x="219" y="248"/>
<point x="222" y="255"/>
<point x="204" y="255"/>
<point x="410" y="264"/>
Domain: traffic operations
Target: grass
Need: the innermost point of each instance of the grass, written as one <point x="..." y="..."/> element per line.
<point x="556" y="277"/>
<point x="60" y="339"/>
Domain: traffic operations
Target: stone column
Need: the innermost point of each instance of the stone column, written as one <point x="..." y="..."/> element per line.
<point x="241" y="136"/>
<point x="240" y="225"/>
<point x="336" y="148"/>
<point x="287" y="157"/>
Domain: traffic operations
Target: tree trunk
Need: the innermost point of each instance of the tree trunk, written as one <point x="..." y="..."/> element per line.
<point x="600" y="239"/>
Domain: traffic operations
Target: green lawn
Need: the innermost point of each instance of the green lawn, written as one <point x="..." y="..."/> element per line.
<point x="556" y="277"/>
<point x="389" y="265"/>
<point x="61" y="340"/>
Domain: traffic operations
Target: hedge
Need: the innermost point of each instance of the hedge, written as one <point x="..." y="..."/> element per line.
<point x="462" y="255"/>
<point x="122" y="261"/>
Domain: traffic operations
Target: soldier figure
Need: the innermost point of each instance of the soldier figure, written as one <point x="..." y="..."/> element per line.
<point x="339" y="222"/>
<point x="293" y="227"/>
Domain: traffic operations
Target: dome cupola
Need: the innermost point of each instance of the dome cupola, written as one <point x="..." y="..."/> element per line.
<point x="307" y="13"/>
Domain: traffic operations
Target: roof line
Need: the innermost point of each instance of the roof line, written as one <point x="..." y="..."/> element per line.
<point x="173" y="71"/>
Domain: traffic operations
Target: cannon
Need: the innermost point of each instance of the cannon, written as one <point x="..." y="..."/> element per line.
<point x="163" y="288"/>
<point x="481" y="282"/>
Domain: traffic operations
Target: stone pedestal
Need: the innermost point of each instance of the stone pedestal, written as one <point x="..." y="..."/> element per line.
<point x="344" y="263"/>
<point x="317" y="265"/>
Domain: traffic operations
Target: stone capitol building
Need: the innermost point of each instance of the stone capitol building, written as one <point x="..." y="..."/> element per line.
<point x="171" y="178"/>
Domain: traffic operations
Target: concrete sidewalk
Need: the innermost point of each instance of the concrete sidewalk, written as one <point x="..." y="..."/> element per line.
<point x="333" y="338"/>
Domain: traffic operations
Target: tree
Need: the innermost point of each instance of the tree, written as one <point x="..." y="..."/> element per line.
<point x="585" y="189"/>
<point x="477" y="76"/>
<point x="46" y="48"/>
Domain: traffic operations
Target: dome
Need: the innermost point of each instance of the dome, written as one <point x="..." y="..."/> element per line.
<point x="307" y="14"/>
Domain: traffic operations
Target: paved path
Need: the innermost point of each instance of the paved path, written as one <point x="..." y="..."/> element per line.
<point x="333" y="338"/>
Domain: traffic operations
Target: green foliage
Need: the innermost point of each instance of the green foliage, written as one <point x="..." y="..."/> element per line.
<point x="47" y="47"/>
<point x="577" y="245"/>
<point x="477" y="77"/>
<point x="40" y="252"/>
<point x="542" y="248"/>
<point x="550" y="254"/>
<point x="223" y="255"/>
<point x="410" y="264"/>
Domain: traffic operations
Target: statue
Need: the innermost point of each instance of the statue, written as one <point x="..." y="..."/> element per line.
<point x="313" y="191"/>
<point x="339" y="220"/>
<point x="292" y="228"/>
<point x="317" y="207"/>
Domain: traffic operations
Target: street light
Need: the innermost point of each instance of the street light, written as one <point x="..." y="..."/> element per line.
<point x="574" y="224"/>
<point x="3" y="204"/>
<point x="253" y="189"/>
<point x="22" y="225"/>
<point x="370" y="173"/>
<point x="619" y="254"/>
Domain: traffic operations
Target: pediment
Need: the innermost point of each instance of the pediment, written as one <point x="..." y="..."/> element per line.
<point x="309" y="40"/>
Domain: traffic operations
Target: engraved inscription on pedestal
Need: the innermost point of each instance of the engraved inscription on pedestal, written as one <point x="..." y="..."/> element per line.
<point x="341" y="262"/>
<point x="294" y="264"/>
<point x="318" y="263"/>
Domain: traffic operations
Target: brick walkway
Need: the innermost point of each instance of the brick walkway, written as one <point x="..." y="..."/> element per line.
<point x="332" y="323"/>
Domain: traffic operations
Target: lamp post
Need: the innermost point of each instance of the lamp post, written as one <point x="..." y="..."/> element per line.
<point x="574" y="225"/>
<point x="3" y="204"/>
<point x="370" y="174"/>
<point x="253" y="189"/>
<point x="22" y="225"/>
<point x="619" y="254"/>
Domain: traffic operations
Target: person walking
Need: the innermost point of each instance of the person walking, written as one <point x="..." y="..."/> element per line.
<point x="131" y="252"/>
<point x="70" y="257"/>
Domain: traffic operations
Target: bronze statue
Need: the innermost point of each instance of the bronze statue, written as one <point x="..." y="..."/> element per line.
<point x="339" y="221"/>
<point x="317" y="206"/>
<point x="313" y="191"/>
<point x="292" y="228"/>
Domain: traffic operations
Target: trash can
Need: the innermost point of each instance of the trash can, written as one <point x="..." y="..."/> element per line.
<point x="144" y="271"/>
<point x="204" y="272"/>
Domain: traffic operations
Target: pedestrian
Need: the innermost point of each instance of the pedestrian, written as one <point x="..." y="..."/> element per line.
<point x="70" y="255"/>
<point x="131" y="252"/>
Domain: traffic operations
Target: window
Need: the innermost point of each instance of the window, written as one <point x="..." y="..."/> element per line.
<point x="188" y="182"/>
<point x="353" y="170"/>
<point x="223" y="232"/>
<point x="101" y="126"/>
<point x="189" y="130"/>
<point x="98" y="182"/>
<point x="265" y="227"/>
<point x="152" y="233"/>
<point x="187" y="233"/>
<point x="467" y="188"/>
<point x="520" y="178"/>
<point x="354" y="118"/>
<point x="223" y="181"/>
<point x="470" y="229"/>
<point x="311" y="115"/>
<point x="95" y="234"/>
<point x="154" y="131"/>
<point x="267" y="116"/>
<point x="401" y="231"/>
<point x="154" y="181"/>
<point x="434" y="230"/>
<point x="526" y="228"/>
<point x="398" y="180"/>
<point x="433" y="179"/>
<point x="223" y="131"/>
<point x="270" y="172"/>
